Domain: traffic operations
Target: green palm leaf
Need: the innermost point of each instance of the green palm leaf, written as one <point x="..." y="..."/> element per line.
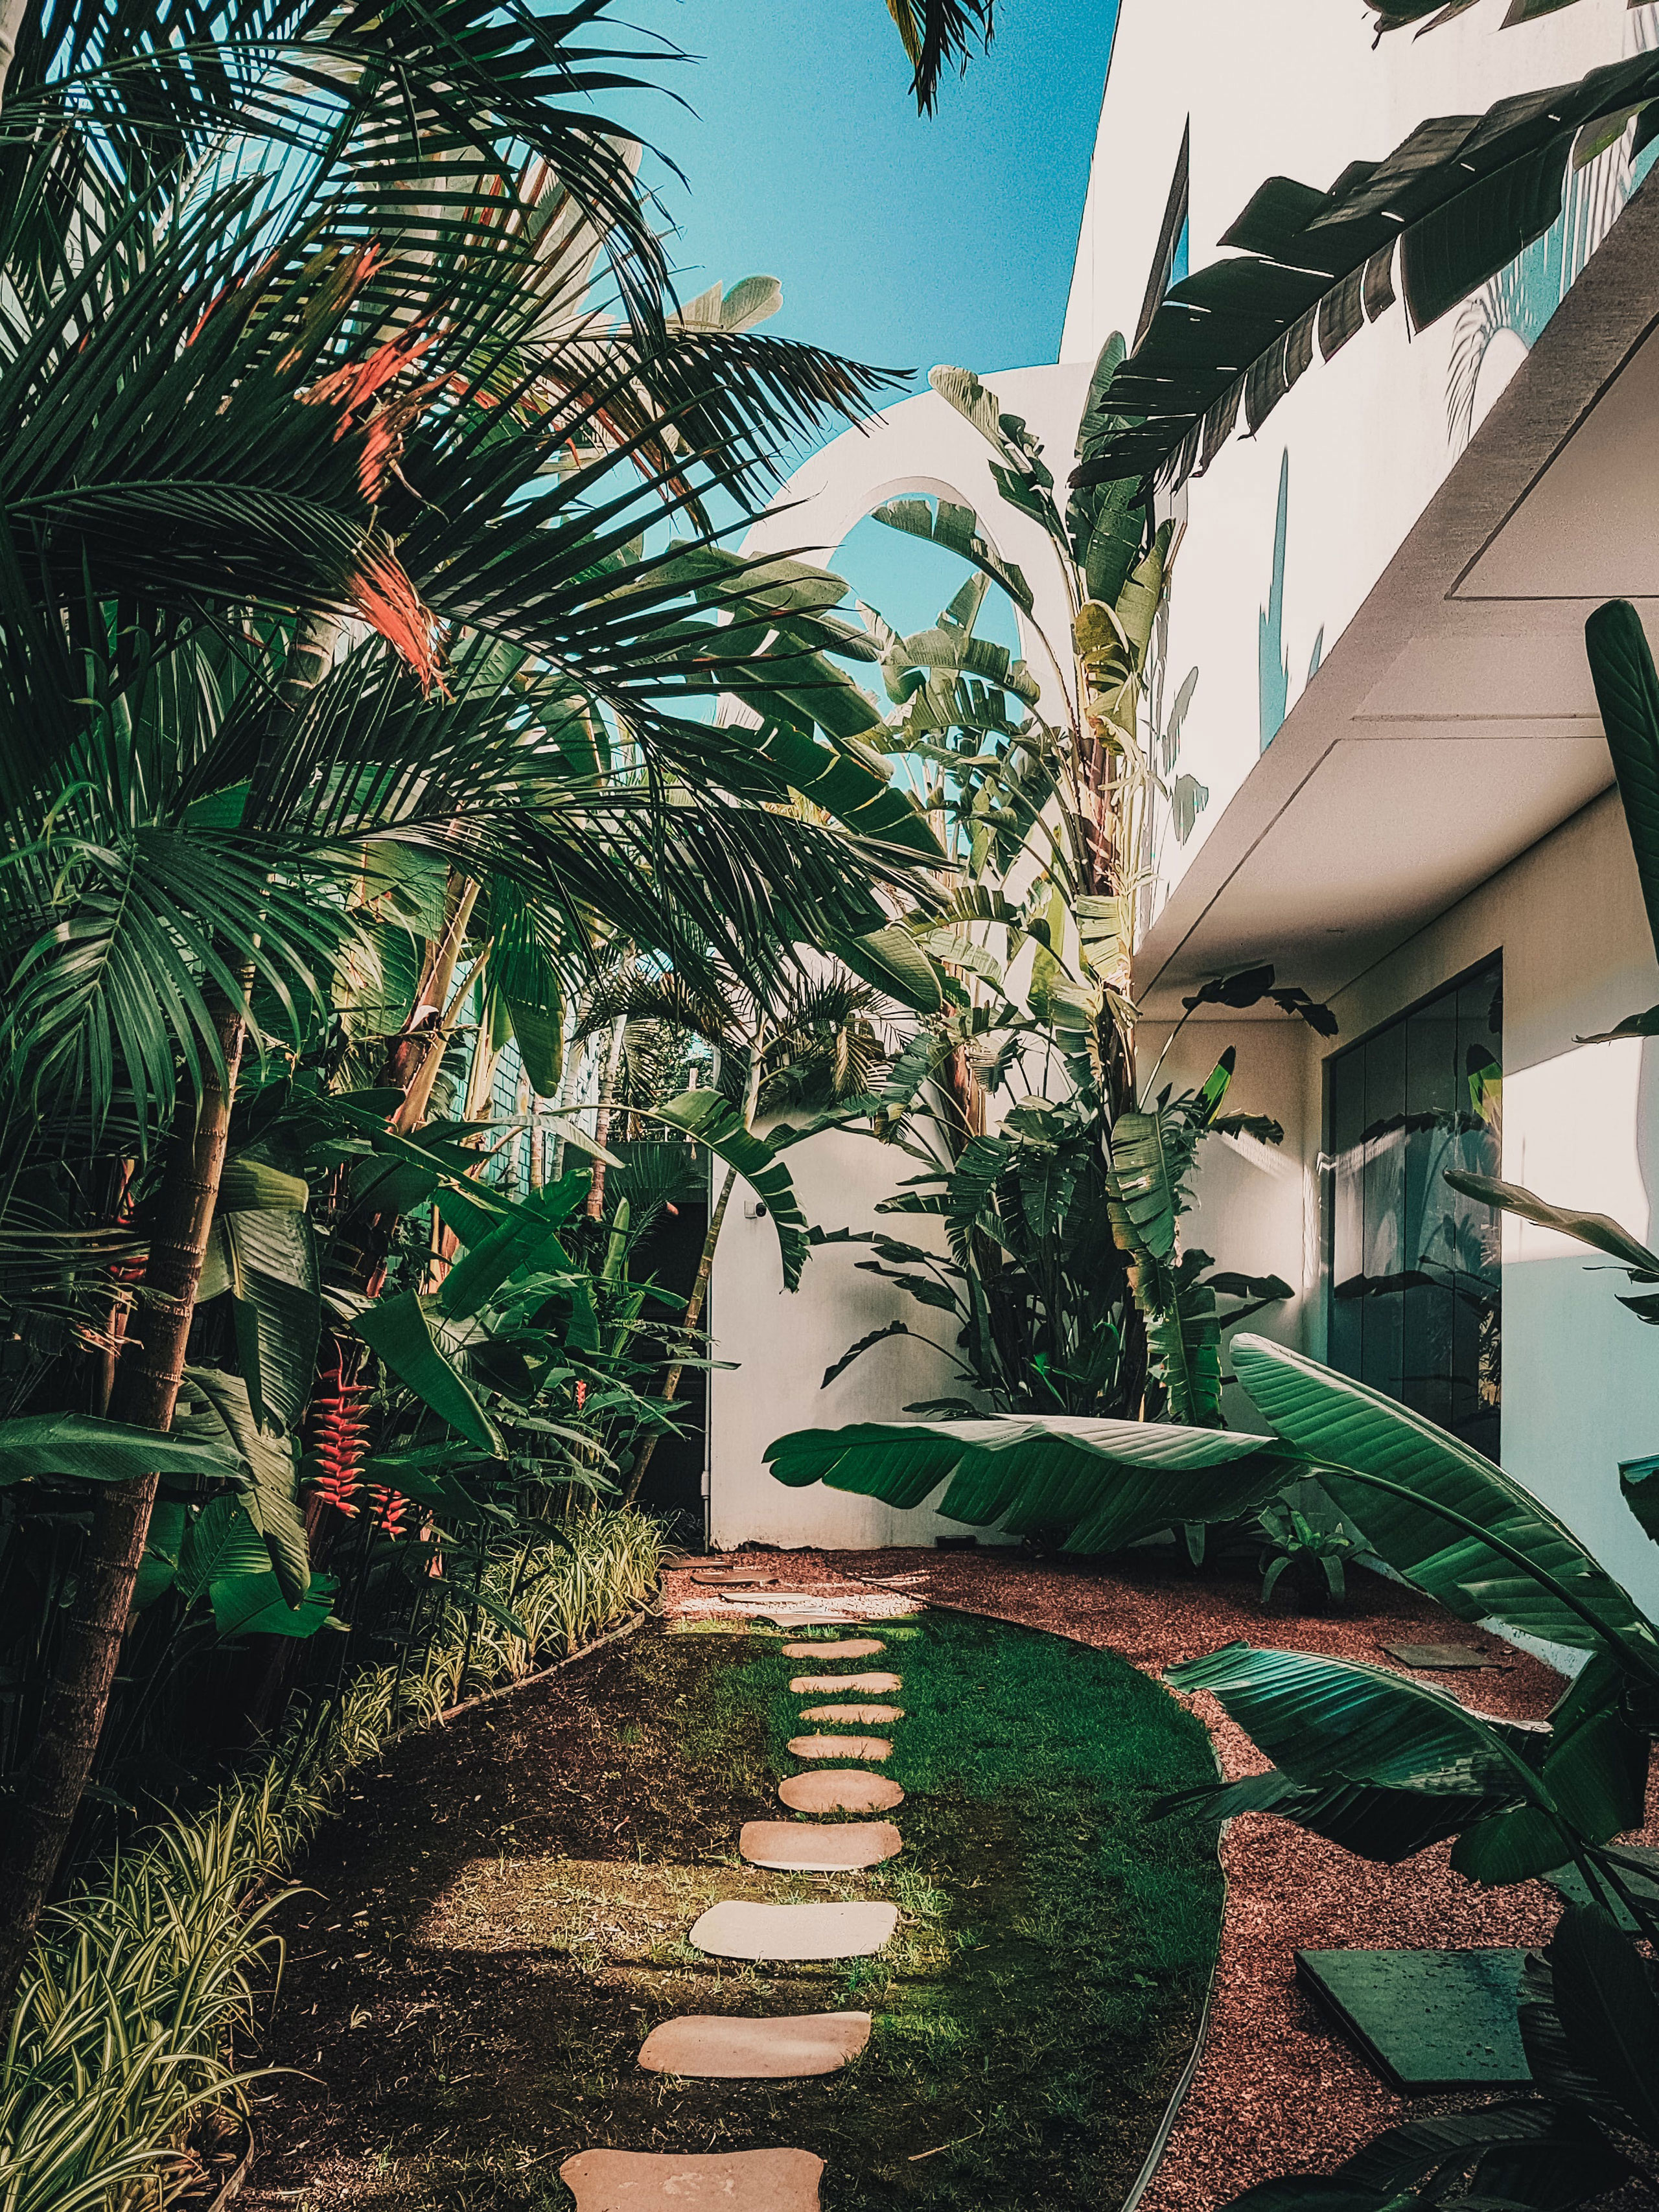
<point x="705" y="1116"/>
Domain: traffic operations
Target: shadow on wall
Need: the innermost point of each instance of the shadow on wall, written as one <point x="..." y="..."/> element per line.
<point x="1273" y="662"/>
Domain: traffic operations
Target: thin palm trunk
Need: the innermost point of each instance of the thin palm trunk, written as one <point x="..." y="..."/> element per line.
<point x="595" y="1208"/>
<point x="146" y="1392"/>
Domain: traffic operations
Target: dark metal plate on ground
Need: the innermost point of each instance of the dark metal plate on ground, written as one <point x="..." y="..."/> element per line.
<point x="1427" y="2020"/>
<point x="1439" y="1655"/>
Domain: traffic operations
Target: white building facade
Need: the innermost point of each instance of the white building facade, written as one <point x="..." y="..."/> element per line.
<point x="1391" y="780"/>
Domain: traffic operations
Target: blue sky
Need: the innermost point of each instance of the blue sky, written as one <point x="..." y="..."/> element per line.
<point x="898" y="239"/>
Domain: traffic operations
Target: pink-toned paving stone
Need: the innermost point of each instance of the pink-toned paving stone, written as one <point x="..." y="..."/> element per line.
<point x="803" y="1847"/>
<point x="844" y="1647"/>
<point x="840" y="1747"/>
<point x="878" y="1716"/>
<point x="804" y="1685"/>
<point x="737" y="1928"/>
<point x="726" y="2047"/>
<point x="733" y="2181"/>
<point x="840" y="1790"/>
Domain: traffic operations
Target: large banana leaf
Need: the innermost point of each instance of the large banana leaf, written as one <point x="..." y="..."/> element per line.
<point x="1457" y="199"/>
<point x="1112" y="1481"/>
<point x="1544" y="1581"/>
<point x="1183" y="1341"/>
<point x="96" y="1450"/>
<point x="400" y="1330"/>
<point x="1332" y="1727"/>
<point x="271" y="1500"/>
<point x="706" y="1116"/>
<point x="957" y="529"/>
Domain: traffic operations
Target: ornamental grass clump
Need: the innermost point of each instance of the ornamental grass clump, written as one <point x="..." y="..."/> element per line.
<point x="124" y="2031"/>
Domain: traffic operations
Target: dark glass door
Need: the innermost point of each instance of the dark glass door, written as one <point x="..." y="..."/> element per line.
<point x="1415" y="1291"/>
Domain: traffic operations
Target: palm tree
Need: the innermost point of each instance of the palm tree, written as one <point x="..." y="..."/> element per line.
<point x="326" y="517"/>
<point x="820" y="1041"/>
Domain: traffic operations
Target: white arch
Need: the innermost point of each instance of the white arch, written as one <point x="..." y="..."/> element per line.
<point x="922" y="445"/>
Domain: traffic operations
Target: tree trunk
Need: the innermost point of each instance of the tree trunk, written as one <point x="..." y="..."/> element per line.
<point x="693" y="1315"/>
<point x="595" y="1206"/>
<point x="147" y="1390"/>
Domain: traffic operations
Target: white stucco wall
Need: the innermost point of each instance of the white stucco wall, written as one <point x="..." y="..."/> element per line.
<point x="1581" y="1127"/>
<point x="1295" y="87"/>
<point x="781" y="1343"/>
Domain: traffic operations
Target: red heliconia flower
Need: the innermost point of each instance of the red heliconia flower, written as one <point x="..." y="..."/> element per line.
<point x="339" y="1440"/>
<point x="390" y="1508"/>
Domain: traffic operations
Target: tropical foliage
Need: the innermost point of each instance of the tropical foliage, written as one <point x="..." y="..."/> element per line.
<point x="1061" y="1288"/>
<point x="361" y="627"/>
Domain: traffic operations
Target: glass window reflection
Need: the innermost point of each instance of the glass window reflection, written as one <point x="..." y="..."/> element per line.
<point x="1415" y="1294"/>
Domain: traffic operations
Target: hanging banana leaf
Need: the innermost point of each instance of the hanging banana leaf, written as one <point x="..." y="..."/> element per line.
<point x="705" y="1116"/>
<point x="1457" y="199"/>
<point x="1561" y="1592"/>
<point x="272" y="1499"/>
<point x="1110" y="1481"/>
<point x="1597" y="1230"/>
<point x="1183" y="1341"/>
<point x="1627" y="693"/>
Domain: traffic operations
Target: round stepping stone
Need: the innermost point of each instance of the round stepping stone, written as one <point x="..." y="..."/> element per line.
<point x="734" y="1929"/>
<point x="842" y="1647"/>
<point x="798" y="1847"/>
<point x="722" y="2047"/>
<point x="732" y="2180"/>
<point x="882" y="1716"/>
<point x="840" y="1790"/>
<point x="840" y="1747"/>
<point x="804" y="1685"/>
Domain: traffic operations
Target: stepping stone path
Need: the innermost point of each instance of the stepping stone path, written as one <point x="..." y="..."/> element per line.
<point x="842" y="1847"/>
<point x="726" y="2047"/>
<point x="840" y="1747"/>
<point x="736" y="2181"/>
<point x="804" y="1686"/>
<point x="719" y="2047"/>
<point x="840" y="1790"/>
<point x="734" y="1929"/>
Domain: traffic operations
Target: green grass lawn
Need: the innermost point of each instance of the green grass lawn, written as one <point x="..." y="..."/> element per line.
<point x="1042" y="1994"/>
<point x="498" y="1917"/>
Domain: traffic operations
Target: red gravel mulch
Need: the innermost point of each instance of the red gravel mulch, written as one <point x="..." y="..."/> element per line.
<point x="1277" y="2089"/>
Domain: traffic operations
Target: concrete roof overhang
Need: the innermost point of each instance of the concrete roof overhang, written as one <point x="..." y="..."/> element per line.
<point x="1454" y="723"/>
